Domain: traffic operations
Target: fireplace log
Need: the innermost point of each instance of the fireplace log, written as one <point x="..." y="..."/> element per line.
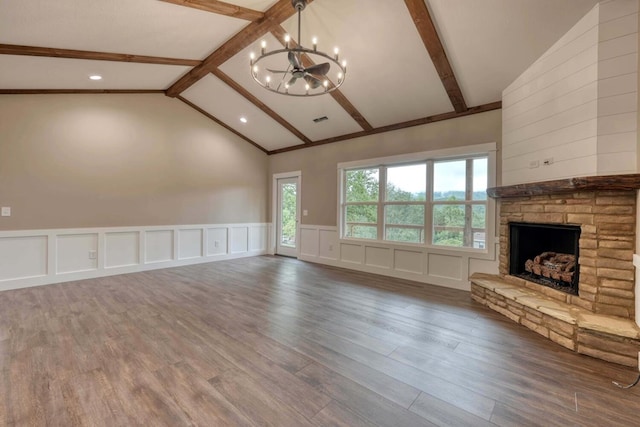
<point x="552" y="265"/>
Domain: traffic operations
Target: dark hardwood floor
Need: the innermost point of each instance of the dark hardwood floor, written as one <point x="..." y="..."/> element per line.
<point x="275" y="341"/>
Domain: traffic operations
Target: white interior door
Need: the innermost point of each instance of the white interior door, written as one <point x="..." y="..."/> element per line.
<point x="288" y="216"/>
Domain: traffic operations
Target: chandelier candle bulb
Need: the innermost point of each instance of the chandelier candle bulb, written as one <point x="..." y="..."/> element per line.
<point x="299" y="65"/>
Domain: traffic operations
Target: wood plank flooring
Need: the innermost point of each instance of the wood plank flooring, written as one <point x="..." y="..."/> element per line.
<point x="271" y="341"/>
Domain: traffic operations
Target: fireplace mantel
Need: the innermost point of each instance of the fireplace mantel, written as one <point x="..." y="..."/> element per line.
<point x="570" y="185"/>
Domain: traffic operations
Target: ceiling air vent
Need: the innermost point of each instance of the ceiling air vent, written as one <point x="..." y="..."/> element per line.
<point x="320" y="119"/>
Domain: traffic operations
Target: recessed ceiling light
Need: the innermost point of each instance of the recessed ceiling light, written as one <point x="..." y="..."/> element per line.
<point x="95" y="77"/>
<point x="243" y="119"/>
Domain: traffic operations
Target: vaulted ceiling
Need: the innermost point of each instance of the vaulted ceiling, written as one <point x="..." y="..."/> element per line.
<point x="410" y="62"/>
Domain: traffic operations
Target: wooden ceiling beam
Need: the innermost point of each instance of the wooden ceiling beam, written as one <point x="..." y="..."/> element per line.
<point x="10" y="49"/>
<point x="423" y="22"/>
<point x="280" y="33"/>
<point x="261" y="105"/>
<point x="220" y="8"/>
<point x="221" y="123"/>
<point x="278" y="13"/>
<point x="423" y="121"/>
<point x="73" y="91"/>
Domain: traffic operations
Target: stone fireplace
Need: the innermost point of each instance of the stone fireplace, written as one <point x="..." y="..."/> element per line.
<point x="569" y="117"/>
<point x="593" y="219"/>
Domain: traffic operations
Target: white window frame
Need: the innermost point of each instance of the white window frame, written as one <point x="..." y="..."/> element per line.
<point x="468" y="202"/>
<point x="384" y="203"/>
<point x="367" y="203"/>
<point x="487" y="150"/>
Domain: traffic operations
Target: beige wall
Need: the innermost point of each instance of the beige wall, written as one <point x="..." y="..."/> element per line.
<point x="319" y="164"/>
<point x="70" y="161"/>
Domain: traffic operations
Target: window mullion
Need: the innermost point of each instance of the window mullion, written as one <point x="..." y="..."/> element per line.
<point x="343" y="203"/>
<point x="428" y="208"/>
<point x="468" y="209"/>
<point x="382" y="196"/>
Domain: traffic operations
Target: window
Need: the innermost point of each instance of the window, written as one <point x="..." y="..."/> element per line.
<point x="405" y="196"/>
<point x="361" y="203"/>
<point x="433" y="201"/>
<point x="460" y="203"/>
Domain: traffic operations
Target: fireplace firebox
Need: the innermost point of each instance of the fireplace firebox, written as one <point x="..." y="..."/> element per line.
<point x="546" y="254"/>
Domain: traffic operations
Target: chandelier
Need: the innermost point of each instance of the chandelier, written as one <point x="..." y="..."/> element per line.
<point x="304" y="74"/>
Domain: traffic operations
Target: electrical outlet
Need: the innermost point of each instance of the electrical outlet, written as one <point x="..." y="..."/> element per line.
<point x="6" y="211"/>
<point x="534" y="164"/>
<point x="331" y="250"/>
<point x="93" y="254"/>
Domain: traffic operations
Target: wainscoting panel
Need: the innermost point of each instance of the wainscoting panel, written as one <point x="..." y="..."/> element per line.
<point x="309" y="242"/>
<point x="446" y="266"/>
<point x="122" y="249"/>
<point x="216" y="241"/>
<point x="258" y="237"/>
<point x="159" y="246"/>
<point x="377" y="257"/>
<point x="328" y="239"/>
<point x="351" y="253"/>
<point x="76" y="253"/>
<point x="438" y="266"/>
<point x="322" y="242"/>
<point x="190" y="243"/>
<point x="409" y="261"/>
<point x="23" y="257"/>
<point x="239" y="239"/>
<point x="40" y="257"/>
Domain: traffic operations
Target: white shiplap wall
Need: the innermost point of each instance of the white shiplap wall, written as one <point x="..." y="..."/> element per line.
<point x="618" y="87"/>
<point x="576" y="106"/>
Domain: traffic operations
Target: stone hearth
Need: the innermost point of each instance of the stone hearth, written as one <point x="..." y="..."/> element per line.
<point x="599" y="321"/>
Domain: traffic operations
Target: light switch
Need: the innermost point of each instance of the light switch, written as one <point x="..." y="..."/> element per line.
<point x="305" y="212"/>
<point x="6" y="211"/>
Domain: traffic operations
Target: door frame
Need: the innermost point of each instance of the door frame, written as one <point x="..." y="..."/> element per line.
<point x="274" y="208"/>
